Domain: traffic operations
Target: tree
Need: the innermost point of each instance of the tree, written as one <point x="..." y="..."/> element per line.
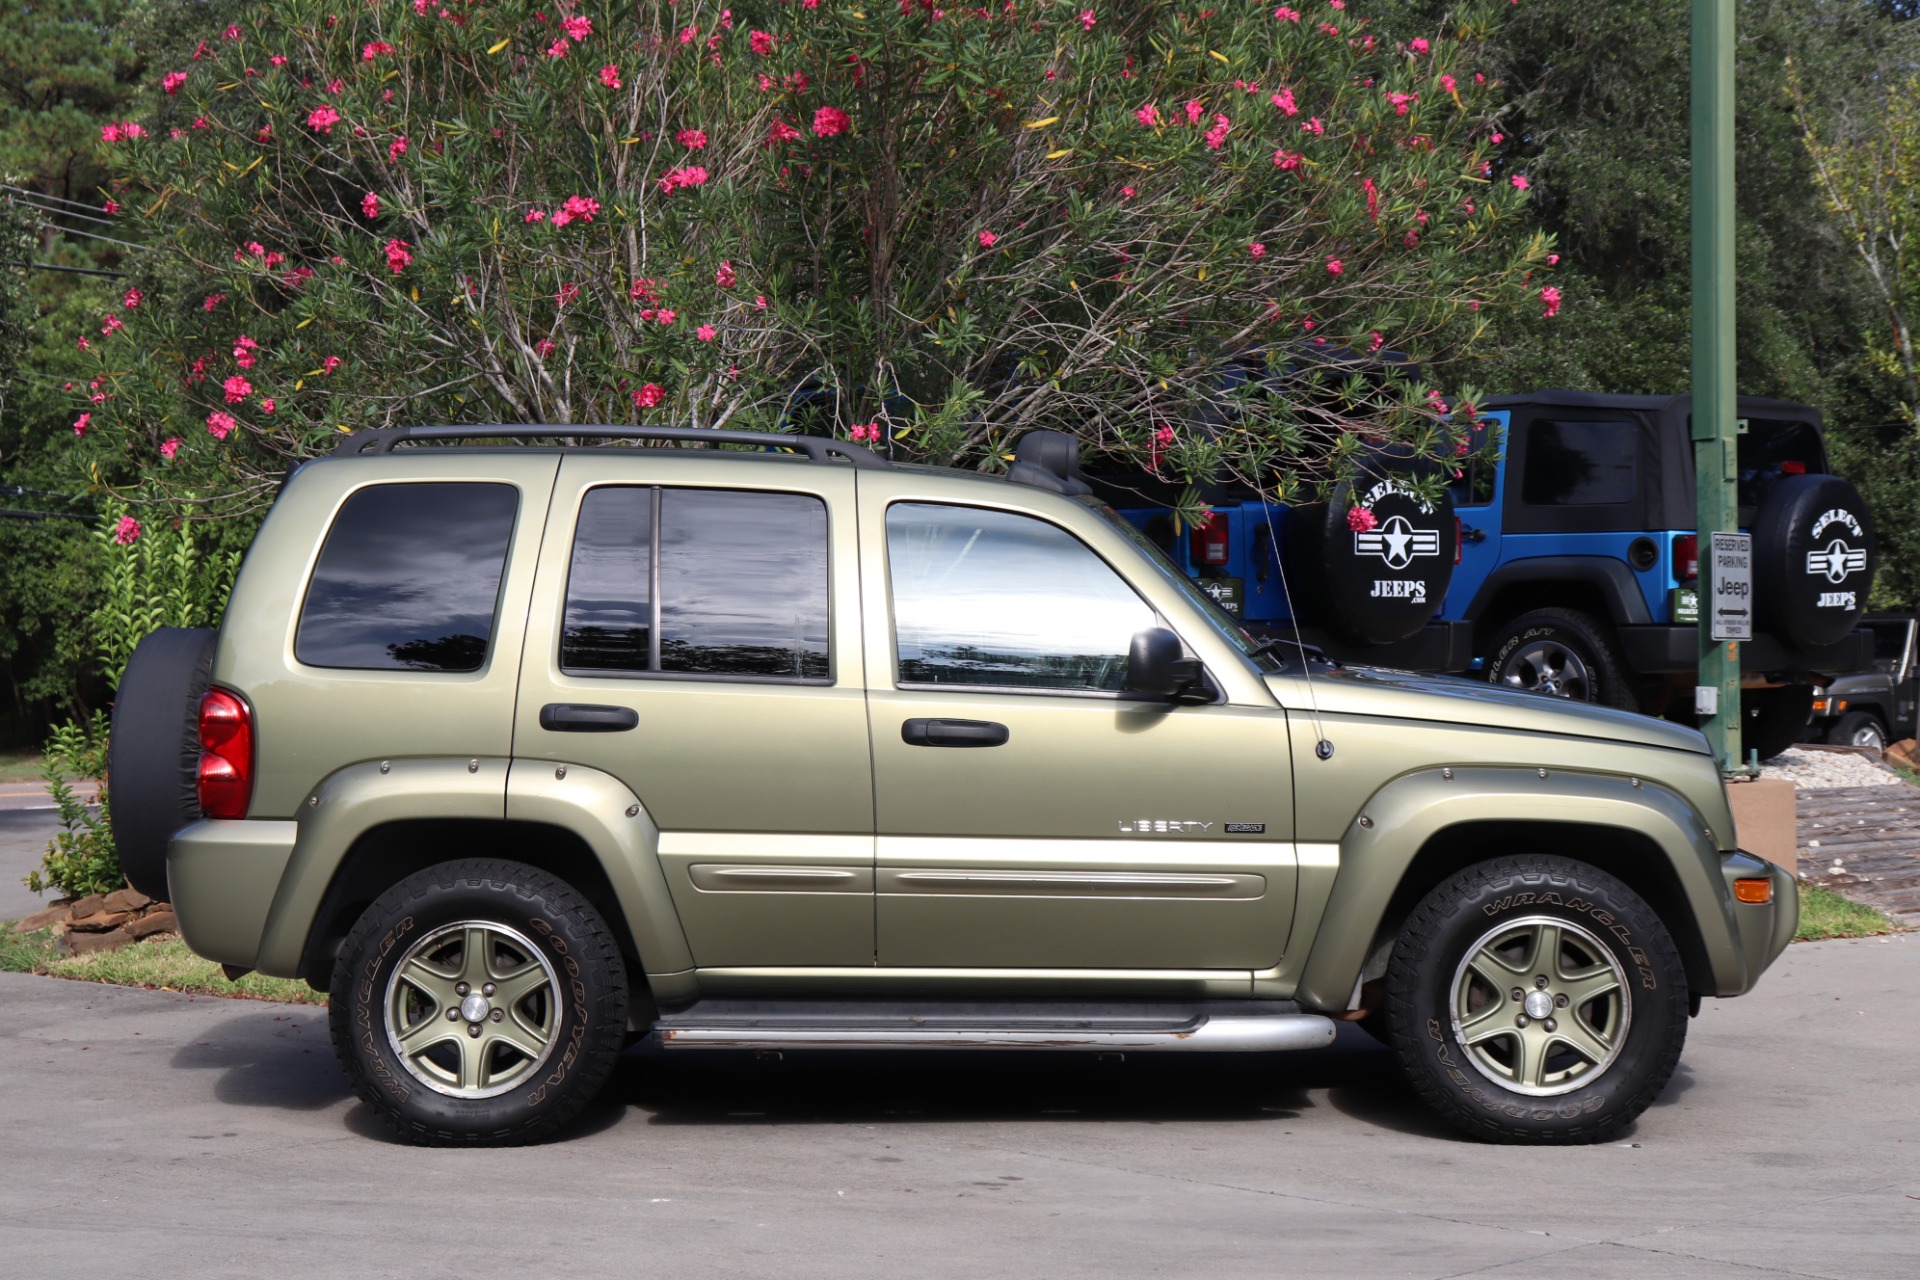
<point x="926" y="230"/>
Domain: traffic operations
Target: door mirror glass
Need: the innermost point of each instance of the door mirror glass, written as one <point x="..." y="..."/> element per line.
<point x="1157" y="665"/>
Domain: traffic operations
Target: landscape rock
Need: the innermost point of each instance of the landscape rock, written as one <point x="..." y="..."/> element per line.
<point x="151" y="923"/>
<point x="99" y="921"/>
<point x="86" y="944"/>
<point x="42" y="918"/>
<point x="125" y="900"/>
<point x="1905" y="753"/>
<point x="88" y="905"/>
<point x="1815" y="769"/>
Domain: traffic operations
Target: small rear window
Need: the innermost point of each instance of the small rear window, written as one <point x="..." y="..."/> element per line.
<point x="1580" y="464"/>
<point x="409" y="579"/>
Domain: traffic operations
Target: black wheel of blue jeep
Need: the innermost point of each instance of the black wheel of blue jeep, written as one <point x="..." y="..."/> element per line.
<point x="1536" y="999"/>
<point x="1563" y="653"/>
<point x="1813" y="557"/>
<point x="1771" y="720"/>
<point x="1373" y="564"/>
<point x="478" y="1003"/>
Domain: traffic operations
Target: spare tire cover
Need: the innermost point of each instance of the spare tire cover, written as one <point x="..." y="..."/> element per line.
<point x="1813" y="560"/>
<point x="1378" y="584"/>
<point x="153" y="751"/>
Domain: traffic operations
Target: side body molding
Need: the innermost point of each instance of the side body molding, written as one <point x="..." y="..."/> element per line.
<point x="600" y="809"/>
<point x="1412" y="809"/>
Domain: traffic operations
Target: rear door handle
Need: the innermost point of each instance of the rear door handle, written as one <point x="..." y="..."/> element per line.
<point x="953" y="733"/>
<point x="580" y="717"/>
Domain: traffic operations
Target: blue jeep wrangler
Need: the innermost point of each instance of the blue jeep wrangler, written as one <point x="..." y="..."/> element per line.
<point x="1563" y="558"/>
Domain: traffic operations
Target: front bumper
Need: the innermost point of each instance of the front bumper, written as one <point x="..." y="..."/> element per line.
<point x="1761" y="930"/>
<point x="222" y="877"/>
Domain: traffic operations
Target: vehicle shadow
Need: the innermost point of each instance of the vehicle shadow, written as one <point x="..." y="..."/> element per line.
<point x="270" y="1058"/>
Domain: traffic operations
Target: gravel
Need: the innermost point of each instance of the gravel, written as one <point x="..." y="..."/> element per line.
<point x="1828" y="769"/>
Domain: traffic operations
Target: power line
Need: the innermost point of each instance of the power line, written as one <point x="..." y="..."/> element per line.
<point x="41" y="195"/>
<point x="91" y="235"/>
<point x="37" y="207"/>
<point x="48" y="266"/>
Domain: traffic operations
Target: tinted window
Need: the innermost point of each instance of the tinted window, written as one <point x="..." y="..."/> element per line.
<point x="609" y="622"/>
<point x="1473" y="484"/>
<point x="1579" y="464"/>
<point x="742" y="584"/>
<point x="992" y="599"/>
<point x="409" y="578"/>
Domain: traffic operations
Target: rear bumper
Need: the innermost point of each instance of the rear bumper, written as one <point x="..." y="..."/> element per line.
<point x="1438" y="646"/>
<point x="1675" y="651"/>
<point x="222" y="877"/>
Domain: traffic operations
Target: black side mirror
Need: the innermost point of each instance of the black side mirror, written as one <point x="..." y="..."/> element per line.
<point x="1155" y="665"/>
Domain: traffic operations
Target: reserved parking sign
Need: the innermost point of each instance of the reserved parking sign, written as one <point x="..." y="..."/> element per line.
<point x="1730" y="586"/>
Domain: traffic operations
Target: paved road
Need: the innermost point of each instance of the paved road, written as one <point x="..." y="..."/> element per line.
<point x="23" y="840"/>
<point x="217" y="1136"/>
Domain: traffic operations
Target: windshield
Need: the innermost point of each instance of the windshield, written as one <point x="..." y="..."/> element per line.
<point x="1223" y="622"/>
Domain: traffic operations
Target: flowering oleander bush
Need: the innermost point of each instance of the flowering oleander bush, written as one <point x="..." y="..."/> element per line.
<point x="1190" y="237"/>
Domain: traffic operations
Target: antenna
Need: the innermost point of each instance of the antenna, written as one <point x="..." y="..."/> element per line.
<point x="1322" y="747"/>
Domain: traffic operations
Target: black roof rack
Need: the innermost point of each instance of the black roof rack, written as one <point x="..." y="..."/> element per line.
<point x="379" y="440"/>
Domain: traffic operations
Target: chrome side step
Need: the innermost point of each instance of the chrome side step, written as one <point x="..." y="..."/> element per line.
<point x="1255" y="1033"/>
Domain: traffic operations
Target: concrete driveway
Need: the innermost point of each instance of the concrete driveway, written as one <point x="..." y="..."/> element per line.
<point x="24" y="834"/>
<point x="215" y="1138"/>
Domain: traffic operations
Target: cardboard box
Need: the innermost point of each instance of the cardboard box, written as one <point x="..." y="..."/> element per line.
<point x="1765" y="821"/>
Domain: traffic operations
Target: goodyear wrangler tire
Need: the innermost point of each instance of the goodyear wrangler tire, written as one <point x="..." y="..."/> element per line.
<point x="1812" y="560"/>
<point x="1382" y="583"/>
<point x="1536" y="1000"/>
<point x="153" y="750"/>
<point x="478" y="1003"/>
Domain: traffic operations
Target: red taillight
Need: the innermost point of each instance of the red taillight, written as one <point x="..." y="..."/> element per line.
<point x="1459" y="538"/>
<point x="1686" y="556"/>
<point x="226" y="755"/>
<point x="1210" y="543"/>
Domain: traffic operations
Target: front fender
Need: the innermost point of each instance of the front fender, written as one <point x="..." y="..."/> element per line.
<point x="1401" y="818"/>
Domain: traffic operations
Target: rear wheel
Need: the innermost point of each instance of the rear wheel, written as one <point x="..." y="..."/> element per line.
<point x="1563" y="653"/>
<point x="1858" y="729"/>
<point x="478" y="1003"/>
<point x="1536" y="1000"/>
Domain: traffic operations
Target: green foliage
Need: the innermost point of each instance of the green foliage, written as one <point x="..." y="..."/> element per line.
<point x="81" y="859"/>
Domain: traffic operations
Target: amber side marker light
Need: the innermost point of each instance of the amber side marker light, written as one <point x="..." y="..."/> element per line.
<point x="1759" y="892"/>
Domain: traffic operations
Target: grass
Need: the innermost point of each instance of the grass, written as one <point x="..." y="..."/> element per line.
<point x="1825" y="914"/>
<point x="20" y="764"/>
<point x="162" y="964"/>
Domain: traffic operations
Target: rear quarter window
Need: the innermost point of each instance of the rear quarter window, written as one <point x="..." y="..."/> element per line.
<point x="409" y="579"/>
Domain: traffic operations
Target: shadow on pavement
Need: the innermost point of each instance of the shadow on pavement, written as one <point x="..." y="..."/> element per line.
<point x="270" y="1059"/>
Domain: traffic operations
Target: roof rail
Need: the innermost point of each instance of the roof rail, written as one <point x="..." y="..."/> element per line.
<point x="379" y="440"/>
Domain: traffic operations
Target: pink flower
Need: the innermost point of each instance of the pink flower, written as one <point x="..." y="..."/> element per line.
<point x="232" y="32"/>
<point x="828" y="121"/>
<point x="1402" y="102"/>
<point x="336" y="87"/>
<point x="1149" y="116"/>
<point x="725" y="276"/>
<point x="691" y="139"/>
<point x="706" y="333"/>
<point x="1497" y="139"/>
<point x="578" y="28"/>
<point x="170" y="447"/>
<point x="1126" y="193"/>
<point x="1553" y="259"/>
<point x="650" y="395"/>
<point x="80" y="424"/>
<point x="213" y="300"/>
<point x="610" y="76"/>
<point x="760" y="42"/>
<point x="399" y="257"/>
<point x="172" y="81"/>
<point x="759" y="304"/>
<point x="643" y="291"/>
<point x="111" y="133"/>
<point x="266" y="405"/>
<point x="1314" y="126"/>
<point x="243" y="351"/>
<point x="1257" y="250"/>
<point x="1550" y="296"/>
<point x="1359" y="519"/>
<point x="1217" y="136"/>
<point x="692" y="175"/>
<point x="558" y="49"/>
<point x="1377" y="343"/>
<point x="126" y="532"/>
<point x="568" y="292"/>
<point x="237" y="389"/>
<point x="1195" y="108"/>
<point x="373" y="49"/>
<point x="370" y="205"/>
<point x="1335" y="266"/>
<point x="535" y="215"/>
<point x="544" y="348"/>
<point x="328" y="365"/>
<point x="1284" y="159"/>
<point x="1417" y="46"/>
<point x="132" y="299"/>
<point x="396" y="150"/>
<point x="1448" y="84"/>
<point x="1284" y="101"/>
<point x="1520" y="182"/>
<point x="582" y="208"/>
<point x="1086" y="19"/>
<point x="110" y="324"/>
<point x="219" y="424"/>
<point x="781" y="131"/>
<point x="1285" y="14"/>
<point x="323" y="118"/>
<point x="666" y="315"/>
<point x="110" y="208"/>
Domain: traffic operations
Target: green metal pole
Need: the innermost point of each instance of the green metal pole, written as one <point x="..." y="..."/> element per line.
<point x="1714" y="392"/>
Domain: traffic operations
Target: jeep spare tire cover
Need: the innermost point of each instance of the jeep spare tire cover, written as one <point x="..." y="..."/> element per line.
<point x="1374" y="562"/>
<point x="153" y="750"/>
<point x="1812" y="560"/>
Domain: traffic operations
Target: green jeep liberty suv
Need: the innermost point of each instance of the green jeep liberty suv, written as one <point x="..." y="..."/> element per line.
<point x="522" y="751"/>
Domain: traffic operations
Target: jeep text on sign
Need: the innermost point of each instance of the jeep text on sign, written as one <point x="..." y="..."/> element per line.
<point x="1730" y="586"/>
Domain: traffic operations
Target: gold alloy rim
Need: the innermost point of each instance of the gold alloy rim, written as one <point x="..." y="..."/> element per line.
<point x="472" y="1008"/>
<point x="1540" y="1006"/>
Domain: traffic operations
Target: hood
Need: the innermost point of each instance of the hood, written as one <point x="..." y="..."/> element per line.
<point x="1407" y="695"/>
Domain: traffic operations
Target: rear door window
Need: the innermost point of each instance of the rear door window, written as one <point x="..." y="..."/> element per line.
<point x="698" y="582"/>
<point x="409" y="578"/>
<point x="1580" y="464"/>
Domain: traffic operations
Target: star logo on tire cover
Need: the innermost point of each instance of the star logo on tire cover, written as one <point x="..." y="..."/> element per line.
<point x="1398" y="542"/>
<point x="1837" y="562"/>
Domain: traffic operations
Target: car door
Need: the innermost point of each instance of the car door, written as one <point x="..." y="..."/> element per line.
<point x="1029" y="813"/>
<point x="695" y="633"/>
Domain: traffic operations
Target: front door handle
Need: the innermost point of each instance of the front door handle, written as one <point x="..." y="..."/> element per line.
<point x="953" y="733"/>
<point x="580" y="717"/>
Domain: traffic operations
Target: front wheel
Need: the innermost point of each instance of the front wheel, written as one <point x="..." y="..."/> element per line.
<point x="1536" y="1000"/>
<point x="478" y="1003"/>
